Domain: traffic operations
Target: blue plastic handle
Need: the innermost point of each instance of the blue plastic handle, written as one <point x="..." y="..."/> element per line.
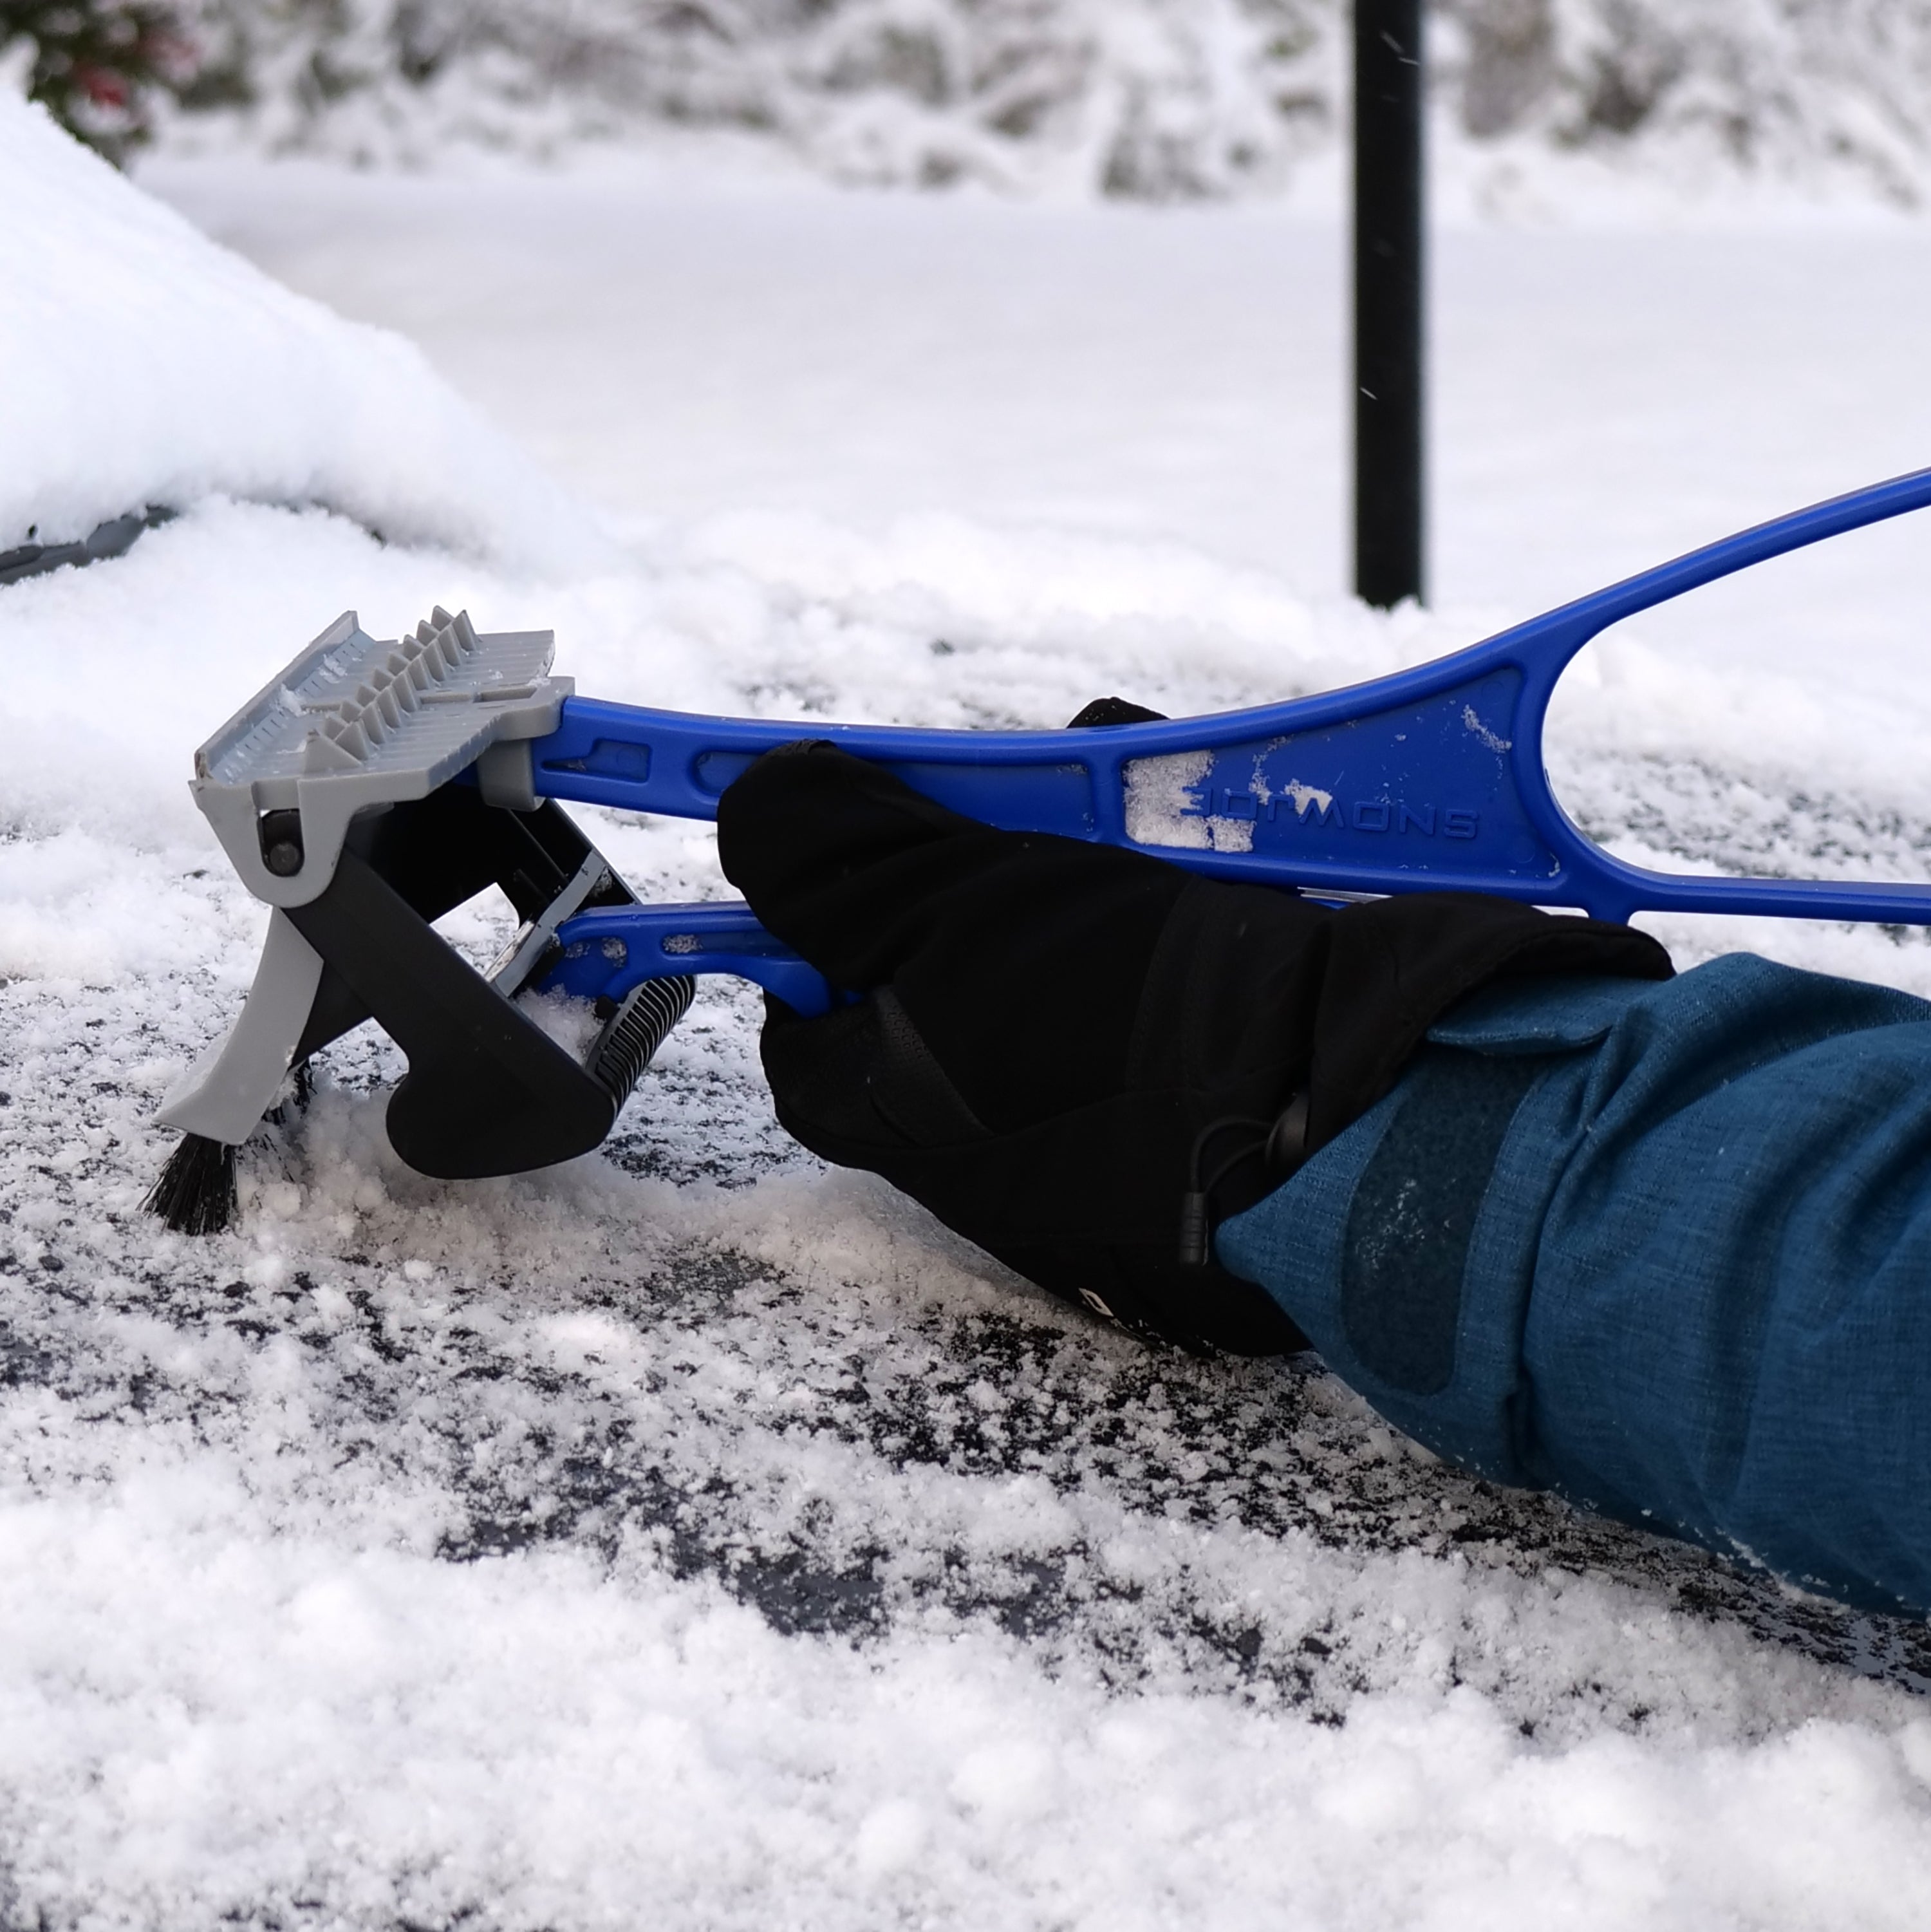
<point x="1430" y="780"/>
<point x="607" y="953"/>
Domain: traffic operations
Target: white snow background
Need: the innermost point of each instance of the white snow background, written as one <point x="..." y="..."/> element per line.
<point x="690" y="1537"/>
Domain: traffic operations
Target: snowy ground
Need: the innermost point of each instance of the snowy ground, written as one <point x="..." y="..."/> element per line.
<point x="691" y="1538"/>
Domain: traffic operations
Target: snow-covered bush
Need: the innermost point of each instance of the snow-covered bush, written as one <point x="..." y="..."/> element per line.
<point x="1153" y="99"/>
<point x="99" y="67"/>
<point x="1158" y="99"/>
<point x="1799" y="88"/>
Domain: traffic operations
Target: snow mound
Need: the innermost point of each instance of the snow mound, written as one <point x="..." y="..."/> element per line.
<point x="145" y="364"/>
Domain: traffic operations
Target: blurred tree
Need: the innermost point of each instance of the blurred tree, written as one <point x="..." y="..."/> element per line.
<point x="100" y="66"/>
<point x="1151" y="99"/>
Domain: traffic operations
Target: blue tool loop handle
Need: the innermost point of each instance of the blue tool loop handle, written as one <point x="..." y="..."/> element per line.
<point x="1430" y="780"/>
<point x="607" y="953"/>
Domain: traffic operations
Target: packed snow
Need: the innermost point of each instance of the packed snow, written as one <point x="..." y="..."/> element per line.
<point x="690" y="1536"/>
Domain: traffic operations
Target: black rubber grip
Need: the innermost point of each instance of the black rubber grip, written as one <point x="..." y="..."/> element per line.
<point x="637" y="1030"/>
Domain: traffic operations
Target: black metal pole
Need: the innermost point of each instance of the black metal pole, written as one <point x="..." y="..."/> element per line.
<point x="1388" y="301"/>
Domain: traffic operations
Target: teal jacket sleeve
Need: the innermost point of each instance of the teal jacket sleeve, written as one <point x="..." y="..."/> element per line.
<point x="1661" y="1247"/>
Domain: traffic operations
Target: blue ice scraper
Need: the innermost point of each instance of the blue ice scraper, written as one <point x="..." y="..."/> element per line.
<point x="373" y="786"/>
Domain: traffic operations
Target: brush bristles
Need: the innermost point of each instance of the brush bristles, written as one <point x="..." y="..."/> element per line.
<point x="196" y="1192"/>
<point x="300" y="1092"/>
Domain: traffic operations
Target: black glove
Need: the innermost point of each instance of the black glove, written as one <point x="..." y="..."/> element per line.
<point x="1059" y="1041"/>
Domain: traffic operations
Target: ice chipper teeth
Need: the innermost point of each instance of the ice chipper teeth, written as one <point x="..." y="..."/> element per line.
<point x="417" y="672"/>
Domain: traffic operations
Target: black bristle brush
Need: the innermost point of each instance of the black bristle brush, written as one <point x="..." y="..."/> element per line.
<point x="196" y="1192"/>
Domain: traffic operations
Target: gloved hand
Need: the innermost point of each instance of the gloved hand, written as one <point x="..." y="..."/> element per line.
<point x="1058" y="1041"/>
